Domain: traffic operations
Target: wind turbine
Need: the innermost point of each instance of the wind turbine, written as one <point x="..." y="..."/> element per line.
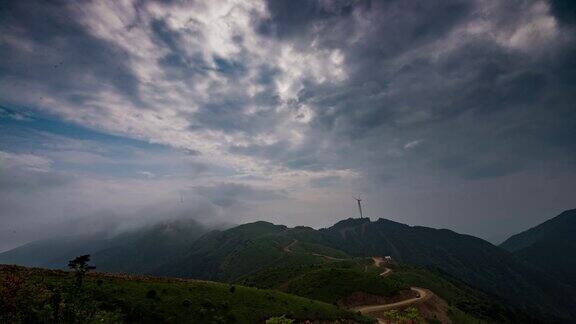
<point x="359" y="200"/>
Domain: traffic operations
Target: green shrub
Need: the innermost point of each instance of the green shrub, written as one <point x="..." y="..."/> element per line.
<point x="151" y="294"/>
<point x="279" y="320"/>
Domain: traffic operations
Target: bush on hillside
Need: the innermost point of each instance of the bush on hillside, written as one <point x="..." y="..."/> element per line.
<point x="279" y="320"/>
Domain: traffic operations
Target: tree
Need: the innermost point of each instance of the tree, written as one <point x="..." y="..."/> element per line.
<point x="80" y="267"/>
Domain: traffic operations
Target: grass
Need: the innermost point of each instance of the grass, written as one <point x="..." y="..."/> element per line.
<point x="329" y="282"/>
<point x="333" y="281"/>
<point x="331" y="285"/>
<point x="161" y="300"/>
<point x="467" y="305"/>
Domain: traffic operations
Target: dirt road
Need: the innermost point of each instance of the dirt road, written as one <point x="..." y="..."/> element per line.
<point x="386" y="272"/>
<point x="423" y="295"/>
<point x="287" y="247"/>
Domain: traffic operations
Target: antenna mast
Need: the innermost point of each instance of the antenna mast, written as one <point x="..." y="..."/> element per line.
<point x="359" y="206"/>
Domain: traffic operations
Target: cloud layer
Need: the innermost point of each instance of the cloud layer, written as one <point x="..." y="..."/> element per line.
<point x="282" y="109"/>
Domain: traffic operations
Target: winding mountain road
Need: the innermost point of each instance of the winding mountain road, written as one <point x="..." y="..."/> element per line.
<point x="422" y="293"/>
<point x="378" y="261"/>
<point x="287" y="247"/>
<point x="386" y="272"/>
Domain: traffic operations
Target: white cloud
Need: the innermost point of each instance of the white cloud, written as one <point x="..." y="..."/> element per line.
<point x="413" y="144"/>
<point x="28" y="162"/>
<point x="340" y="100"/>
<point x="164" y="112"/>
<point x="146" y="174"/>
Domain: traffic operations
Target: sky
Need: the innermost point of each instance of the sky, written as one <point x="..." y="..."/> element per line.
<point x="450" y="114"/>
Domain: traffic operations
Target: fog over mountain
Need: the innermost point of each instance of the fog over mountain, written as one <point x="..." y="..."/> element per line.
<point x="449" y="114"/>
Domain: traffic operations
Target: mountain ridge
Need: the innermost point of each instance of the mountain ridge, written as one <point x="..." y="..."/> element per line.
<point x="550" y="246"/>
<point x="235" y="253"/>
<point x="530" y="236"/>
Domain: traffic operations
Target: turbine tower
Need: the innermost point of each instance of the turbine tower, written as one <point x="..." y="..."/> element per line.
<point x="359" y="206"/>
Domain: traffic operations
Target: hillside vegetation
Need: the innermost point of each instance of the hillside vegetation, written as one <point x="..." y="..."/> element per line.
<point x="330" y="282"/>
<point x="471" y="260"/>
<point x="45" y="296"/>
<point x="245" y="249"/>
<point x="330" y="264"/>
<point x="335" y="281"/>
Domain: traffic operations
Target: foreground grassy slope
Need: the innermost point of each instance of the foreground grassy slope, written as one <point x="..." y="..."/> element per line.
<point x="36" y="295"/>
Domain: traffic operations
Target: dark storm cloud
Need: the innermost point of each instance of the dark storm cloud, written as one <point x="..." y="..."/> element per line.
<point x="498" y="108"/>
<point x="292" y="19"/>
<point x="564" y="10"/>
<point x="411" y="74"/>
<point x="317" y="97"/>
<point x="392" y="26"/>
<point x="54" y="50"/>
<point x="165" y="35"/>
<point x="178" y="63"/>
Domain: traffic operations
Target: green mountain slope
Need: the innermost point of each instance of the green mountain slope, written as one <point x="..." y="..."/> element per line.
<point x="47" y="296"/>
<point x="251" y="249"/>
<point x="550" y="246"/>
<point x="339" y="281"/>
<point x="236" y="252"/>
<point x="466" y="258"/>
<point x="330" y="282"/>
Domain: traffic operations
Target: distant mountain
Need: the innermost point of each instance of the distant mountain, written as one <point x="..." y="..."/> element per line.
<point x="232" y="255"/>
<point x="550" y="246"/>
<point x="239" y="251"/>
<point x="137" y="251"/>
<point x="470" y="259"/>
<point x="54" y="253"/>
<point x="247" y="249"/>
<point x="141" y="251"/>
